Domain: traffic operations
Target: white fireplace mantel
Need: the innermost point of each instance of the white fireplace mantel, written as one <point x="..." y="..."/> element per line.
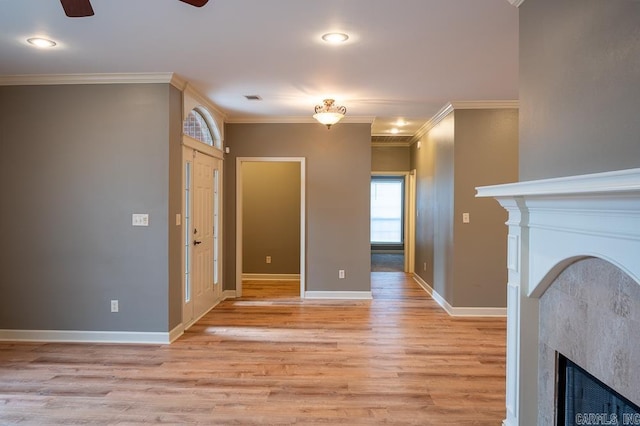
<point x="553" y="223"/>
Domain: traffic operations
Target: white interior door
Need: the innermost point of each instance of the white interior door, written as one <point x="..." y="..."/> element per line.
<point x="202" y="224"/>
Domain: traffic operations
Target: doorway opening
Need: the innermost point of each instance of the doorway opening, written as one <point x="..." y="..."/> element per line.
<point x="270" y="221"/>
<point x="392" y="222"/>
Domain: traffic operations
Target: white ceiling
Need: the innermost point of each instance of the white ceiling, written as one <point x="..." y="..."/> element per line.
<point x="404" y="59"/>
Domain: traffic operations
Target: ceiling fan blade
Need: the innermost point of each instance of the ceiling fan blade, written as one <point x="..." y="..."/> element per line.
<point x="77" y="8"/>
<point x="196" y="3"/>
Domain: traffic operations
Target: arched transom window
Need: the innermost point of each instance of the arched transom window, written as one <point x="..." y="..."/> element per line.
<point x="197" y="126"/>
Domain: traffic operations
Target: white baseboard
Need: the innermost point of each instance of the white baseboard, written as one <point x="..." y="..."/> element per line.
<point x="338" y="295"/>
<point x="478" y="312"/>
<point x="177" y="331"/>
<point x="271" y="277"/>
<point x="228" y="294"/>
<point x="73" y="336"/>
<point x="459" y="312"/>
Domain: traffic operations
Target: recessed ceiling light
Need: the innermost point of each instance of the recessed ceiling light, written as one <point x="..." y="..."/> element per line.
<point x="41" y="42"/>
<point x="335" y="38"/>
<point x="394" y="131"/>
<point x="401" y="122"/>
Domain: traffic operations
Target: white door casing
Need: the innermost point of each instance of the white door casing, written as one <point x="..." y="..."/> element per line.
<point x="239" y="209"/>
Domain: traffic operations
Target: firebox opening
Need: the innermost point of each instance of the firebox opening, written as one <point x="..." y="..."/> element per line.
<point x="585" y="400"/>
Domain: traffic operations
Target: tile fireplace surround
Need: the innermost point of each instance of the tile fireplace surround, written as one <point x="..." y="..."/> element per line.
<point x="554" y="223"/>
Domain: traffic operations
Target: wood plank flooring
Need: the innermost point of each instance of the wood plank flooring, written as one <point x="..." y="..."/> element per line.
<point x="270" y="358"/>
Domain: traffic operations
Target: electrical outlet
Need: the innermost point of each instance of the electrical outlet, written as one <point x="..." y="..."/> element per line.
<point x="341" y="274"/>
<point x="114" y="306"/>
<point x="424" y="266"/>
<point x="465" y="217"/>
<point x="268" y="259"/>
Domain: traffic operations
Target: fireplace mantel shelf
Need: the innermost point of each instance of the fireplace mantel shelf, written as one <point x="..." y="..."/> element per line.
<point x="597" y="183"/>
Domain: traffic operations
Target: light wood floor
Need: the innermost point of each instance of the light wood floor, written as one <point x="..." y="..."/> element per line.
<point x="272" y="359"/>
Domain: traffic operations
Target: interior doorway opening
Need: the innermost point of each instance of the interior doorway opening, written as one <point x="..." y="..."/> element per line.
<point x="270" y="220"/>
<point x="392" y="221"/>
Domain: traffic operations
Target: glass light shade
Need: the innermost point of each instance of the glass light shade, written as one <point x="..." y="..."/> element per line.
<point x="328" y="118"/>
<point x="328" y="113"/>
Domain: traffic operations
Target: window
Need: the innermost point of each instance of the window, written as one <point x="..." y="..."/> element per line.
<point x="197" y="127"/>
<point x="387" y="210"/>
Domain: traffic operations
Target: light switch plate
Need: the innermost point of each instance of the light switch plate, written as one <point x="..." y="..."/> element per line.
<point x="140" y="219"/>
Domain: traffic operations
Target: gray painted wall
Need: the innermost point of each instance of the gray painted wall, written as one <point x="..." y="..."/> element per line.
<point x="271" y="217"/>
<point x="390" y="159"/>
<point x="486" y="153"/>
<point x="175" y="207"/>
<point x="337" y="196"/>
<point x="464" y="262"/>
<point x="443" y="273"/>
<point x="75" y="163"/>
<point x="423" y="162"/>
<point x="579" y="87"/>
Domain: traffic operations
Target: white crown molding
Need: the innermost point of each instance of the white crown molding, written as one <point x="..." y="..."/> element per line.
<point x="203" y="100"/>
<point x="433" y="121"/>
<point x="449" y="107"/>
<point x="391" y="144"/>
<point x="118" y="78"/>
<point x="507" y="104"/>
<point x="516" y="3"/>
<point x="295" y="120"/>
<point x="178" y="82"/>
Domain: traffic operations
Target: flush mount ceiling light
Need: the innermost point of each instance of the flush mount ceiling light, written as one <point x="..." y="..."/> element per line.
<point x="41" y="42"/>
<point x="328" y="113"/>
<point x="335" y="38"/>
